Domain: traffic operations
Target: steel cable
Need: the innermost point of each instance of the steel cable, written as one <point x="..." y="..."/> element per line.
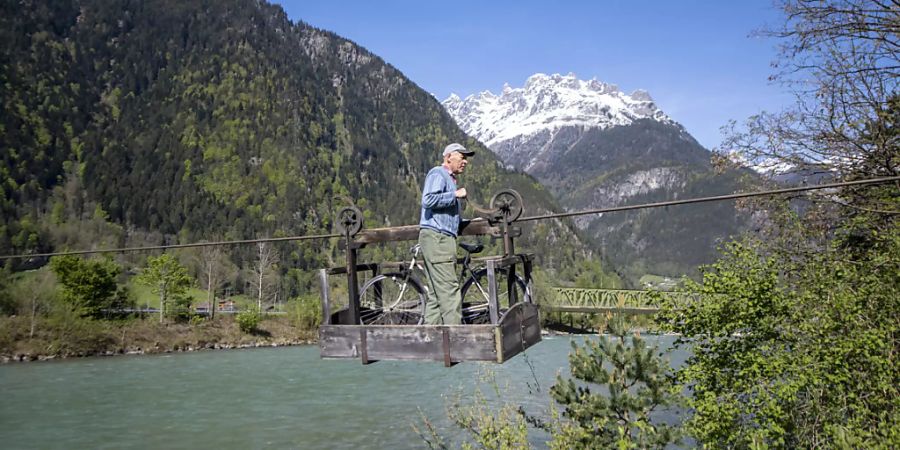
<point x="523" y="219"/>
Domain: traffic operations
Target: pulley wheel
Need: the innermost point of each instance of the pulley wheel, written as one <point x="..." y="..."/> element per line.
<point x="509" y="203"/>
<point x="349" y="220"/>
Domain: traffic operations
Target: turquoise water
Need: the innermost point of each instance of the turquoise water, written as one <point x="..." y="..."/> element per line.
<point x="261" y="398"/>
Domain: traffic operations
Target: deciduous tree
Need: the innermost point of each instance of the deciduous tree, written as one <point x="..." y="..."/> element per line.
<point x="841" y="60"/>
<point x="167" y="278"/>
<point x="264" y="271"/>
<point x="794" y="353"/>
<point x="214" y="269"/>
<point x="88" y="285"/>
<point x="794" y="337"/>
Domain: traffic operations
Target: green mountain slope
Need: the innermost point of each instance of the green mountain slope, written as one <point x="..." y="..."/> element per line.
<point x="180" y="121"/>
<point x="647" y="162"/>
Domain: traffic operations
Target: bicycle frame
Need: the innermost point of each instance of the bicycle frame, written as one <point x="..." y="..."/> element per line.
<point x="463" y="279"/>
<point x="413" y="272"/>
<point x="415" y="265"/>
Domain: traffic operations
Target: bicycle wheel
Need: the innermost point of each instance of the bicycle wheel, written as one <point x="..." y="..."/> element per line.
<point x="392" y="299"/>
<point x="475" y="309"/>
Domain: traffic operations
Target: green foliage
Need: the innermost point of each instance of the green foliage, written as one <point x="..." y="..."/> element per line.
<point x="88" y="286"/>
<point x="7" y="303"/>
<point x="636" y="382"/>
<point x="179" y="307"/>
<point x="34" y="294"/>
<point x="248" y="320"/>
<point x="795" y="352"/>
<point x="186" y="121"/>
<point x="144" y="296"/>
<point x="196" y="320"/>
<point x="75" y="336"/>
<point x="795" y="338"/>
<point x="501" y="430"/>
<point x="56" y="329"/>
<point x="588" y="273"/>
<point x="169" y="279"/>
<point x="488" y="427"/>
<point x="305" y="312"/>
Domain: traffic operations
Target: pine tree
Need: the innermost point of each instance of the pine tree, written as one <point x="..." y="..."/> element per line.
<point x="637" y="381"/>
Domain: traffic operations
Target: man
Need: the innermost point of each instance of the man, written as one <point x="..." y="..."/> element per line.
<point x="438" y="228"/>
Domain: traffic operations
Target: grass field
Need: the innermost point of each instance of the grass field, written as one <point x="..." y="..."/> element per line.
<point x="144" y="296"/>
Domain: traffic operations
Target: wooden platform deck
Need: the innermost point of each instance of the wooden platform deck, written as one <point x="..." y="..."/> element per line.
<point x="518" y="329"/>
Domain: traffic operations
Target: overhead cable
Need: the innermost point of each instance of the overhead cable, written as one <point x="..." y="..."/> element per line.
<point x="523" y="219"/>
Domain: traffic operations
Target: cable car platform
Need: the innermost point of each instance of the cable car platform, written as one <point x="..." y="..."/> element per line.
<point x="518" y="329"/>
<point x="496" y="330"/>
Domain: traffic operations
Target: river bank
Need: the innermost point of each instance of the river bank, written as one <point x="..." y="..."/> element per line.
<point x="54" y="338"/>
<point x="67" y="337"/>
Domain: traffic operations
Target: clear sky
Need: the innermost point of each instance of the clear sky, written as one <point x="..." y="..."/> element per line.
<point x="696" y="58"/>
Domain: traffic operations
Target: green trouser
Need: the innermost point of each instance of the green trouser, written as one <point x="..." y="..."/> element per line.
<point x="444" y="305"/>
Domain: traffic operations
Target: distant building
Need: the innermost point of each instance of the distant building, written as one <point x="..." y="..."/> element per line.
<point x="226" y="306"/>
<point x="221" y="306"/>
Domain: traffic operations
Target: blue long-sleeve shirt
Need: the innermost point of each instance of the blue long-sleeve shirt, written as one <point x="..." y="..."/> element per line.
<point x="440" y="207"/>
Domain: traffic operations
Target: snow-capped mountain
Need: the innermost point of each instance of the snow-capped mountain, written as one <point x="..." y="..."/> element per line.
<point x="594" y="146"/>
<point x="531" y="125"/>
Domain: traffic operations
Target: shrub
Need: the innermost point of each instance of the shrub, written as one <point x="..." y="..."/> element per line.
<point x="73" y="335"/>
<point x="305" y="312"/>
<point x="197" y="319"/>
<point x="248" y="321"/>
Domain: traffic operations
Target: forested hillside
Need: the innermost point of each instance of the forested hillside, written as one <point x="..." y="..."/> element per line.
<point x="646" y="162"/>
<point x="133" y="122"/>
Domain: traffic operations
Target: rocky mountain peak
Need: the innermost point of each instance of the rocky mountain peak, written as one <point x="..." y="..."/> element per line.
<point x="595" y="146"/>
<point x="541" y="108"/>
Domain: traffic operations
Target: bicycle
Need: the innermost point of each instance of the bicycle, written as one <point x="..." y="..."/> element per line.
<point x="398" y="298"/>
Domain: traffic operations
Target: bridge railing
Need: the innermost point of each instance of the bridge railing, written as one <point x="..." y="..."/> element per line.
<point x="588" y="300"/>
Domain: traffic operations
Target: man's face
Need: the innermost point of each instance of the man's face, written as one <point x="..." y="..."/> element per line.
<point x="457" y="162"/>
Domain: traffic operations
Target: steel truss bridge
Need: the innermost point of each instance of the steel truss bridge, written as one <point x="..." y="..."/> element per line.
<point x="584" y="300"/>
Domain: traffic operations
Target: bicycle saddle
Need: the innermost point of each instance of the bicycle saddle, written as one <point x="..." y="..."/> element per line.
<point x="471" y="248"/>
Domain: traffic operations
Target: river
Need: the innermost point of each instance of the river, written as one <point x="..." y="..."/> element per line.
<point x="283" y="397"/>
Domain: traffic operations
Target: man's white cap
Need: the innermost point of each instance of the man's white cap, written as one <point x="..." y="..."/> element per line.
<point x="454" y="147"/>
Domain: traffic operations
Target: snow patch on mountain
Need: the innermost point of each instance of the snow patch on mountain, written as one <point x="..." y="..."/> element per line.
<point x="764" y="166"/>
<point x="545" y="105"/>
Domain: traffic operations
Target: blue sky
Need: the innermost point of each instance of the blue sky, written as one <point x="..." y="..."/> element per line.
<point x="696" y="58"/>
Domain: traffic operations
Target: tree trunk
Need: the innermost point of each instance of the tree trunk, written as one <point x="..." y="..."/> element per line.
<point x="259" y="293"/>
<point x="33" y="312"/>
<point x="162" y="303"/>
<point x="210" y="295"/>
